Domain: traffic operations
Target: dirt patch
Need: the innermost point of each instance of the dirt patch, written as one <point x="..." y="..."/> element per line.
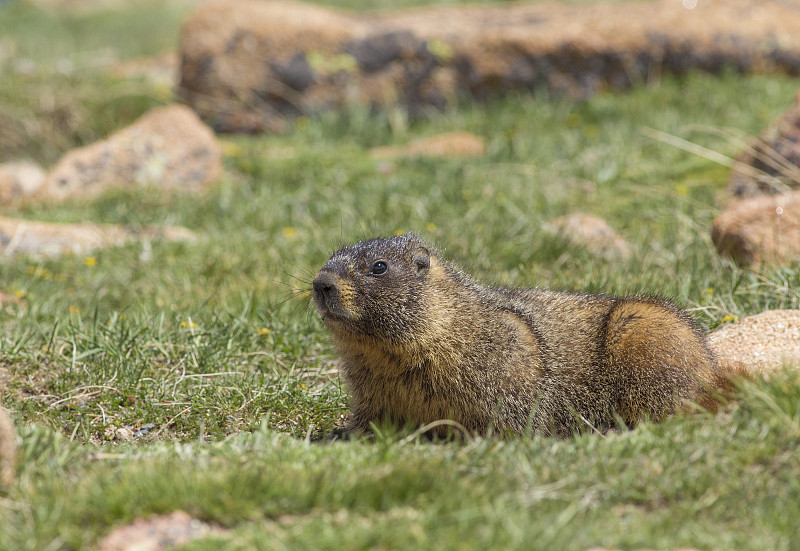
<point x="447" y="146"/>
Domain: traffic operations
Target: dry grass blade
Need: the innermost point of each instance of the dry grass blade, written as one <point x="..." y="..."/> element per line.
<point x="757" y="149"/>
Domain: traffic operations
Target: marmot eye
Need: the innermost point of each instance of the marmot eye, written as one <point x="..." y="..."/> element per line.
<point x="379" y="268"/>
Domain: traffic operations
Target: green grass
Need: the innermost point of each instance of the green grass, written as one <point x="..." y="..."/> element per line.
<point x="215" y="343"/>
<point x="724" y="482"/>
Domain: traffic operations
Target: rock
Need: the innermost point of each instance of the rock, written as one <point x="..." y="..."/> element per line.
<point x="591" y="232"/>
<point x="8" y="449"/>
<point x="249" y="65"/>
<point x="771" y="163"/>
<point x="123" y="434"/>
<point x="18" y="180"/>
<point x="169" y="148"/>
<point x="6" y="298"/>
<point x="248" y="47"/>
<point x="449" y="145"/>
<point x="45" y="239"/>
<point x="761" y="343"/>
<point x="760" y="229"/>
<point x="159" y="532"/>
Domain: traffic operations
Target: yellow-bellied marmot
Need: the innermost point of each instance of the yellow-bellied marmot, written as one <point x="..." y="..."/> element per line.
<point x="420" y="341"/>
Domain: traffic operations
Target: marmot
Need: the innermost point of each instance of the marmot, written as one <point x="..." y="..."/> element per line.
<point x="420" y="341"/>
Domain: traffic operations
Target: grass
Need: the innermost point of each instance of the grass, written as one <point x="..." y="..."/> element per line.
<point x="212" y="352"/>
<point x="680" y="484"/>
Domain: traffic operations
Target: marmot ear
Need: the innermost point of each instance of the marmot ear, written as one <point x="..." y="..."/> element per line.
<point x="422" y="260"/>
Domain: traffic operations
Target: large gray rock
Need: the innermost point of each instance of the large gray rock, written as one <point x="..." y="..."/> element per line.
<point x="249" y="65"/>
<point x="168" y="148"/>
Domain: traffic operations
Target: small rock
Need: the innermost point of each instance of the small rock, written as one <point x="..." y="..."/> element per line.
<point x="448" y="145"/>
<point x="6" y="298"/>
<point x="144" y="430"/>
<point x="761" y="343"/>
<point x="123" y="434"/>
<point x="169" y="148"/>
<point x="157" y="533"/>
<point x="591" y="232"/>
<point x="46" y="239"/>
<point x="19" y="179"/>
<point x="760" y="229"/>
<point x="771" y="164"/>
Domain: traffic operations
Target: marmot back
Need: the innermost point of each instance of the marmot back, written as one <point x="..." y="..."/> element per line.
<point x="420" y="341"/>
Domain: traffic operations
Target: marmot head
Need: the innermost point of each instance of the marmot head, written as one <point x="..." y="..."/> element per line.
<point x="374" y="289"/>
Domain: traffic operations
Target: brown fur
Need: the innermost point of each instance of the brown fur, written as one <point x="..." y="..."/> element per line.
<point x="422" y="342"/>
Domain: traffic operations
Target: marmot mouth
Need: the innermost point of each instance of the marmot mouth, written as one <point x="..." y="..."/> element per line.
<point x="335" y="315"/>
<point x="340" y="325"/>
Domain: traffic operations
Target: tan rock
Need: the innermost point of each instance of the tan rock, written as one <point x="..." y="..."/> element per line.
<point x="46" y="239"/>
<point x="248" y="65"/>
<point x="18" y="180"/>
<point x="6" y="298"/>
<point x="157" y="533"/>
<point x="449" y="145"/>
<point x="169" y="148"/>
<point x="761" y="343"/>
<point x="591" y="232"/>
<point x="123" y="434"/>
<point x="771" y="163"/>
<point x="760" y="229"/>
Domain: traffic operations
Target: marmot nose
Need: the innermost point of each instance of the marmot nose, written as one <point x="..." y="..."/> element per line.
<point x="325" y="287"/>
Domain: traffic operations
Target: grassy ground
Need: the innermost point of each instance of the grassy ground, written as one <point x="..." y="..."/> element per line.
<point x="212" y="353"/>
